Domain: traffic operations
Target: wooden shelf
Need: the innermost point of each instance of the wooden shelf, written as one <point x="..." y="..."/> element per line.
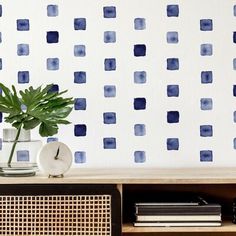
<point x="134" y="176"/>
<point x="227" y="226"/>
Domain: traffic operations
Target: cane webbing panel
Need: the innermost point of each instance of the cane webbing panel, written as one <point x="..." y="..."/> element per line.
<point x="55" y="215"/>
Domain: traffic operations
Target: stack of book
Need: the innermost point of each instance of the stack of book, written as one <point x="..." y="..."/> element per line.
<point x="192" y="213"/>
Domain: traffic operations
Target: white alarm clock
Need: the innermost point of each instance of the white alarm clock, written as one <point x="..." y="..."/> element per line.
<point x="54" y="159"/>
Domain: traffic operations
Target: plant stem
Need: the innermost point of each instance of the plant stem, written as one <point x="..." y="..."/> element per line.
<point x="14" y="146"/>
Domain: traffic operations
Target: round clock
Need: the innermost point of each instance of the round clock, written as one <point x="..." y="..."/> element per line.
<point x="54" y="159"/>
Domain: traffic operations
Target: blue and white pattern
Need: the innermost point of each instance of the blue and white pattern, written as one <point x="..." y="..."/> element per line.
<point x="153" y="81"/>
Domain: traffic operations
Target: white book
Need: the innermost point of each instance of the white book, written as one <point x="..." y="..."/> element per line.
<point x="176" y="224"/>
<point x="178" y="217"/>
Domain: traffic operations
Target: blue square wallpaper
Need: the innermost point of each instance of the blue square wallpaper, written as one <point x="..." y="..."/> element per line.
<point x="153" y="81"/>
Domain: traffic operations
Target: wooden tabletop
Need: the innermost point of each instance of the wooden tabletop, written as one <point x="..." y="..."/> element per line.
<point x="133" y="176"/>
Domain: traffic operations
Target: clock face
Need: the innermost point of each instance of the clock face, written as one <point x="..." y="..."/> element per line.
<point x="55" y="158"/>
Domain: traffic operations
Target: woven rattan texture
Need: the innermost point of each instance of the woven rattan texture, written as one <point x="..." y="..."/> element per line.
<point x="55" y="215"/>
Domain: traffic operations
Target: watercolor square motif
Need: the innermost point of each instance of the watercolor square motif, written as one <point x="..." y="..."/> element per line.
<point x="110" y="64"/>
<point x="80" y="104"/>
<point x="173" y="90"/>
<point x="109" y="143"/>
<point x="139" y="50"/>
<point x="206" y="156"/>
<point x="206" y="103"/>
<point x="109" y="118"/>
<point x="23" y="77"/>
<point x="172" y="144"/>
<point x="172" y="116"/>
<point x="139" y="130"/>
<point x="172" y="10"/>
<point x="172" y="37"/>
<point x="80" y="130"/>
<point x="79" y="51"/>
<point x="206" y="131"/>
<point x="139" y="156"/>
<point x="23" y="24"/>
<point x="23" y="49"/>
<point x="52" y="37"/>
<point x="140" y="77"/>
<point x="206" y="25"/>
<point x="139" y="23"/>
<point x="52" y="10"/>
<point x="206" y="49"/>
<point x="109" y="91"/>
<point x="109" y="37"/>
<point x="52" y="63"/>
<point x="206" y="77"/>
<point x="80" y="24"/>
<point x="172" y="64"/>
<point x="80" y="157"/>
<point x="23" y="155"/>
<point x="80" y="77"/>
<point x="140" y="103"/>
<point x="109" y="12"/>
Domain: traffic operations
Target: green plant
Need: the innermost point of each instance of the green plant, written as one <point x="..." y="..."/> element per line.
<point x="34" y="107"/>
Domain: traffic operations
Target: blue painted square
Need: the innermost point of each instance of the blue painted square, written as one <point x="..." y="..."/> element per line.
<point x="206" y="49"/>
<point x="80" y="157"/>
<point x="172" y="90"/>
<point x="109" y="118"/>
<point x="22" y="49"/>
<point x="139" y="156"/>
<point x="0" y="10"/>
<point x="139" y="130"/>
<point x="172" y="10"/>
<point x="172" y="63"/>
<point x="52" y="10"/>
<point x="109" y="37"/>
<point x="52" y="37"/>
<point x="140" y="77"/>
<point x="110" y="64"/>
<point x="172" y="37"/>
<point x="109" y="143"/>
<point x="206" y="156"/>
<point x="234" y="10"/>
<point x="0" y="117"/>
<point x="80" y="23"/>
<point x="0" y="37"/>
<point x="172" y="144"/>
<point x="79" y="51"/>
<point x="54" y="88"/>
<point x="234" y="143"/>
<point x="234" y="63"/>
<point x="52" y="63"/>
<point x="79" y="77"/>
<point x="234" y="116"/>
<point x="22" y="24"/>
<point x="139" y="23"/>
<point x="206" y="25"/>
<point x="0" y="63"/>
<point x="206" y="131"/>
<point x="206" y="104"/>
<point x="80" y="130"/>
<point x="109" y="91"/>
<point x="139" y="50"/>
<point x="139" y="103"/>
<point x="80" y="104"/>
<point x="22" y="155"/>
<point x="234" y="90"/>
<point x="23" y="77"/>
<point x="206" y="77"/>
<point x="52" y="139"/>
<point x="234" y="37"/>
<point x="172" y="116"/>
<point x="109" y="12"/>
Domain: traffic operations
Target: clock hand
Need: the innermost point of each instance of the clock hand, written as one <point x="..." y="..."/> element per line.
<point x="58" y="150"/>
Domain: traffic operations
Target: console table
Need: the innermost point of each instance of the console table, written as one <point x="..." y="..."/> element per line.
<point x="100" y="201"/>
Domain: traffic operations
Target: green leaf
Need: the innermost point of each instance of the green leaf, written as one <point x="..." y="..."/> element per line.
<point x="46" y="130"/>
